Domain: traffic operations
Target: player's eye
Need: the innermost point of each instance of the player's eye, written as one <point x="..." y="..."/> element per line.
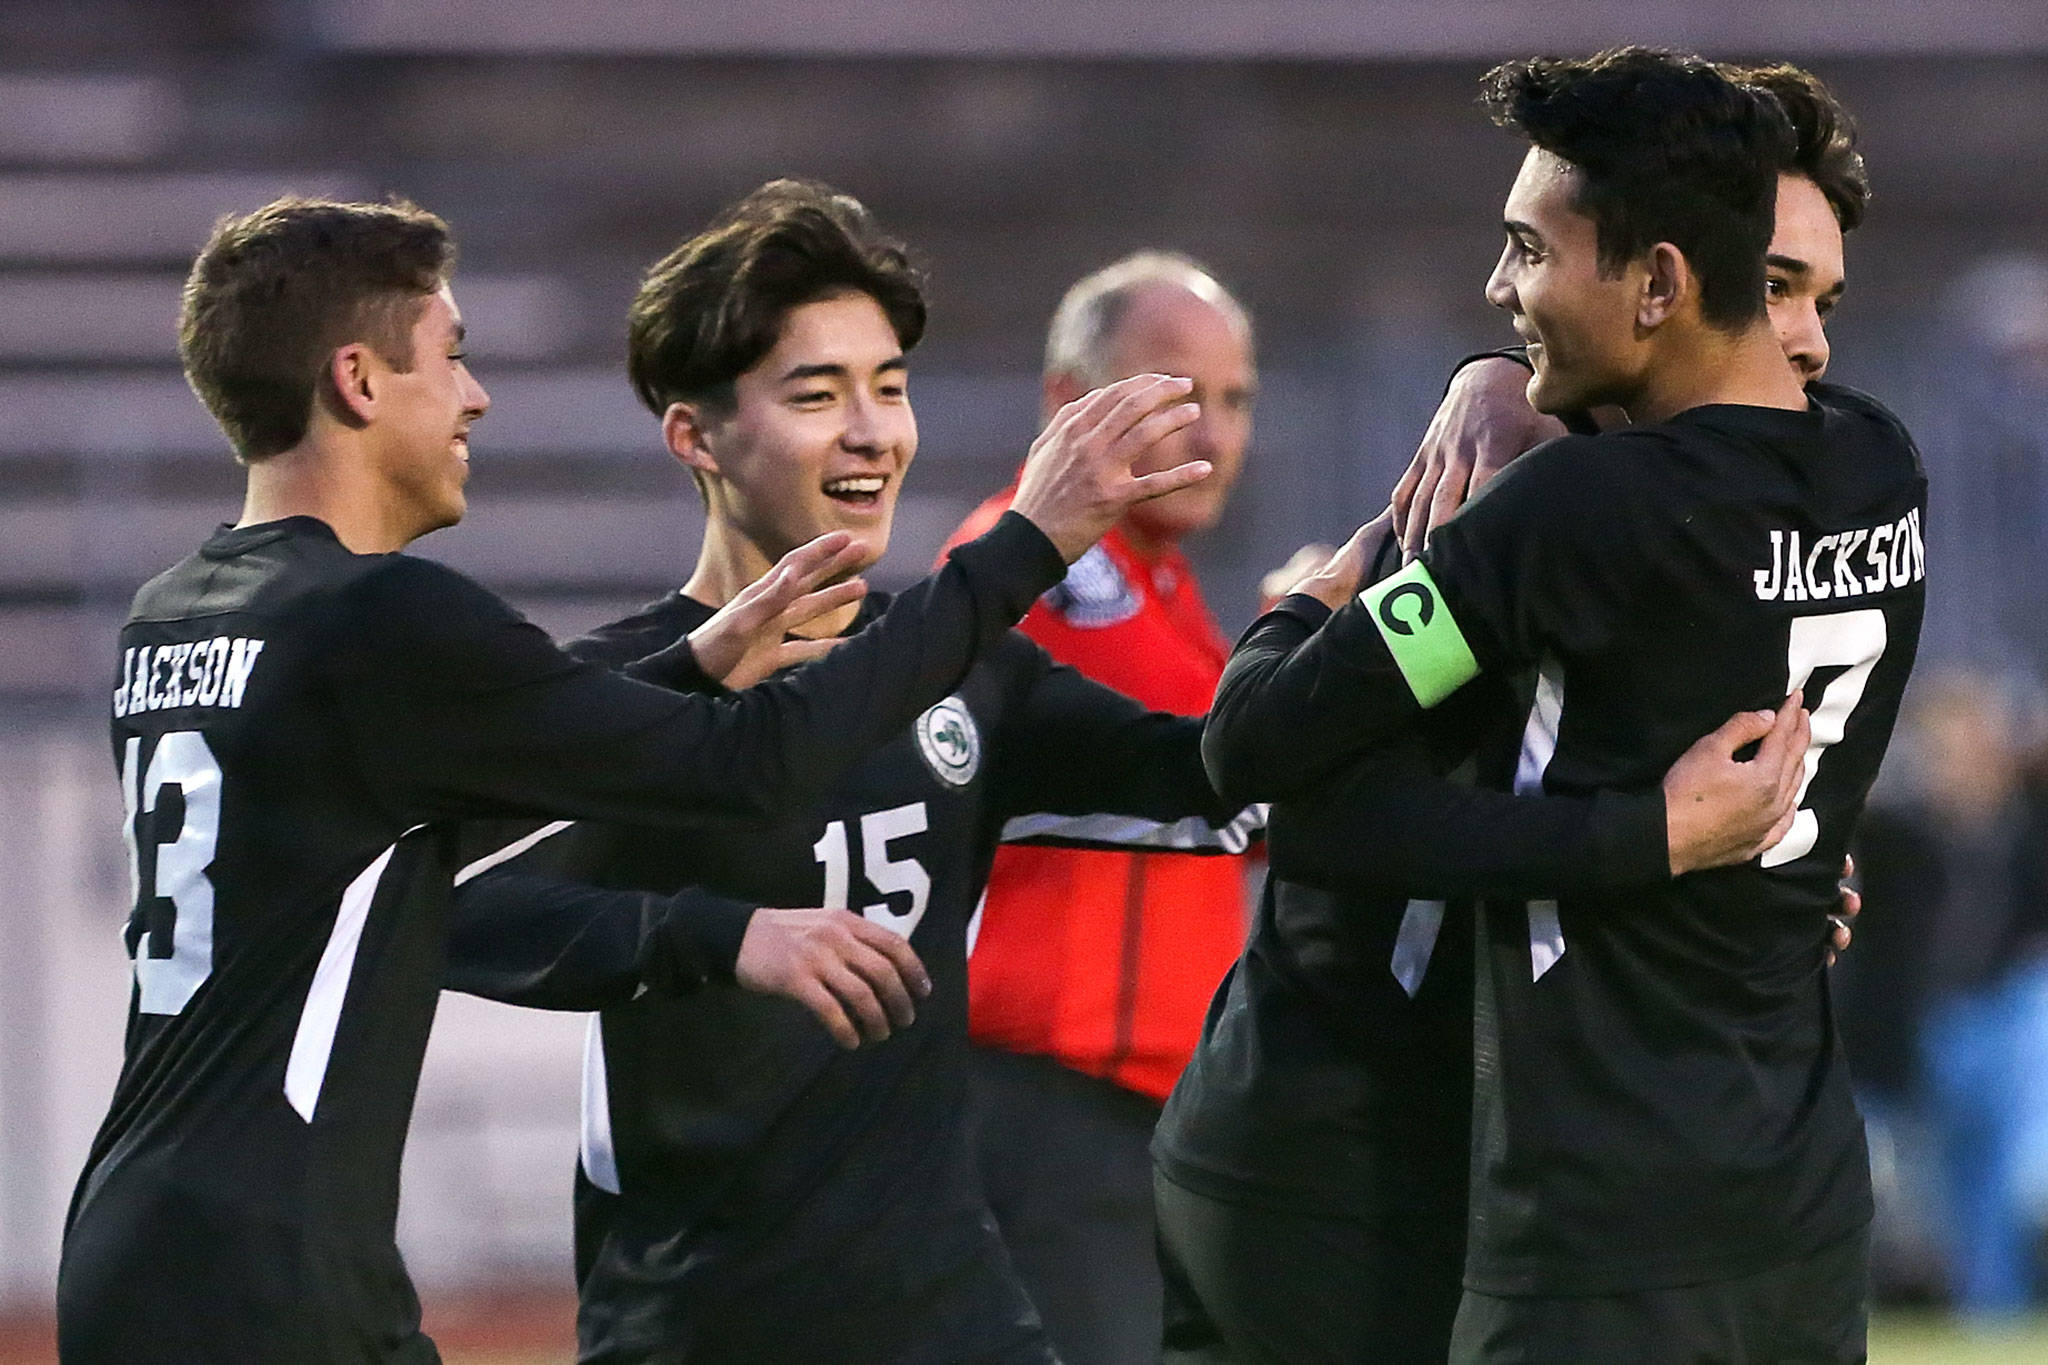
<point x="1775" y="288"/>
<point x="1826" y="308"/>
<point x="457" y="357"/>
<point x="812" y="397"/>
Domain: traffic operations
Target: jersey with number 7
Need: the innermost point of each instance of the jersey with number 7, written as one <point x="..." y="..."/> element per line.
<point x="1661" y="1096"/>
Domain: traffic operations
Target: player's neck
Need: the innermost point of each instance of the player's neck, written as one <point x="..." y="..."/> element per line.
<point x="1715" y="367"/>
<point x="313" y="479"/>
<point x="729" y="560"/>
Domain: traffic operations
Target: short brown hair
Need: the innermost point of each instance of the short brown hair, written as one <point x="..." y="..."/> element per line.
<point x="276" y="291"/>
<point x="1824" y="136"/>
<point x="709" y="310"/>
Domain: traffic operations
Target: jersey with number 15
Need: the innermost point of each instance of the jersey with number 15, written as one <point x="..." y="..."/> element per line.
<point x="1661" y="1096"/>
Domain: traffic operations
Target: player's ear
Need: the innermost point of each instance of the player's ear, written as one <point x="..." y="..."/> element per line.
<point x="1667" y="280"/>
<point x="683" y="430"/>
<point x="351" y="383"/>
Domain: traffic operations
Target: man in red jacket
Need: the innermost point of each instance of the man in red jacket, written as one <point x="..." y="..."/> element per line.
<point x="1091" y="970"/>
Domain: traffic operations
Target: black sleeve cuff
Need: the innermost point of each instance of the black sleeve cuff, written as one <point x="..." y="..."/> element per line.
<point x="1013" y="559"/>
<point x="675" y="668"/>
<point x="1628" y="838"/>
<point x="1308" y="610"/>
<point x="696" y="940"/>
<point x="1518" y="354"/>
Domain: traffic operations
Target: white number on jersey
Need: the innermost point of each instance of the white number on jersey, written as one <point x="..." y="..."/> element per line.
<point x="167" y="973"/>
<point x="1851" y="640"/>
<point x="884" y="873"/>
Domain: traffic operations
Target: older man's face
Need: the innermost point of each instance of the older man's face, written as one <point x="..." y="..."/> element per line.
<point x="1167" y="330"/>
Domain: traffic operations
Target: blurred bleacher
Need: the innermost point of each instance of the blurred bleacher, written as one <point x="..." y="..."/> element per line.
<point x="1327" y="159"/>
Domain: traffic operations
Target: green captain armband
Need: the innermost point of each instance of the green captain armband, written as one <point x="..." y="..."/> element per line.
<point x="1416" y="623"/>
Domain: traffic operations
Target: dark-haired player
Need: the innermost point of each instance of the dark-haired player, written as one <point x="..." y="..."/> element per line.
<point x="300" y="707"/>
<point x="1667" y="1162"/>
<point x="1313" y="1160"/>
<point x="823" y="1207"/>
<point x="1823" y="193"/>
<point x="748" y="1191"/>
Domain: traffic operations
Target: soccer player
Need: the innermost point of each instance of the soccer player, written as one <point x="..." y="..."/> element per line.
<point x="1092" y="968"/>
<point x="1667" y="1162"/>
<point x="1823" y="193"/>
<point x="300" y="708"/>
<point x="747" y="1190"/>
<point x="1267" y="1160"/>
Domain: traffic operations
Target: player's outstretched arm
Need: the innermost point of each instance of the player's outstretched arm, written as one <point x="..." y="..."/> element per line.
<point x="1392" y="826"/>
<point x="1076" y="484"/>
<point x="1484" y="423"/>
<point x="551" y="942"/>
<point x="457" y="707"/>
<point x="1080" y="764"/>
<point x="1313" y="686"/>
<point x="532" y="938"/>
<point x="1432" y="838"/>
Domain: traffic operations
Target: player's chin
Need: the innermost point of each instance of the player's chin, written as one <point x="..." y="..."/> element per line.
<point x="869" y="524"/>
<point x="1554" y="392"/>
<point x="870" y="544"/>
<point x="447" y="508"/>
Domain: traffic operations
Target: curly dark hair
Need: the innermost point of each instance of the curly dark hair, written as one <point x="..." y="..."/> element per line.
<point x="709" y="310"/>
<point x="1668" y="149"/>
<point x="1823" y="133"/>
<point x="275" y="292"/>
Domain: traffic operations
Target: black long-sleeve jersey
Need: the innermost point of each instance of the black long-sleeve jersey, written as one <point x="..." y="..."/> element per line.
<point x="1334" y="1074"/>
<point x="1661" y="1096"/>
<point x="749" y="1190"/>
<point x="293" y="723"/>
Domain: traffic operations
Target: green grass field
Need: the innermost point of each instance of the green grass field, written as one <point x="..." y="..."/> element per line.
<point x="1895" y="1339"/>
<point x="1902" y="1339"/>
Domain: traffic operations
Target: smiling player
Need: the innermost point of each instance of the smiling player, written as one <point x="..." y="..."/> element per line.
<point x="1667" y="1162"/>
<point x="749" y="1189"/>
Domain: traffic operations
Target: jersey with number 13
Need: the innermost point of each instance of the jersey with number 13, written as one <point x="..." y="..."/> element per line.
<point x="295" y="725"/>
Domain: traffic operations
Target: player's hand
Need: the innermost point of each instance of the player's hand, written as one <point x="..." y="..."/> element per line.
<point x="1844" y="918"/>
<point x="1299" y="565"/>
<point x="1077" y="481"/>
<point x="1720" y="810"/>
<point x="1338" y="579"/>
<point x="859" y="979"/>
<point x="748" y="638"/>
<point x="1484" y="422"/>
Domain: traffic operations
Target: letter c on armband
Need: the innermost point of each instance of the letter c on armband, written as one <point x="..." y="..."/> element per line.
<point x="1416" y="624"/>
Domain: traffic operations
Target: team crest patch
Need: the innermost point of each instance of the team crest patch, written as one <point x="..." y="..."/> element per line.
<point x="1094" y="592"/>
<point x="950" y="743"/>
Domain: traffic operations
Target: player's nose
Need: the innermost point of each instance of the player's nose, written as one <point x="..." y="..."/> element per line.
<point x="1500" y="286"/>
<point x="866" y="426"/>
<point x="1807" y="346"/>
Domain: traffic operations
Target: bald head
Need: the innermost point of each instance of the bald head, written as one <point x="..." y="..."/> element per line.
<point x="1095" y="311"/>
<point x="1161" y="313"/>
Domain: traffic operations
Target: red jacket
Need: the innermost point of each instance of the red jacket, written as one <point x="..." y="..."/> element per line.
<point x="1106" y="961"/>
